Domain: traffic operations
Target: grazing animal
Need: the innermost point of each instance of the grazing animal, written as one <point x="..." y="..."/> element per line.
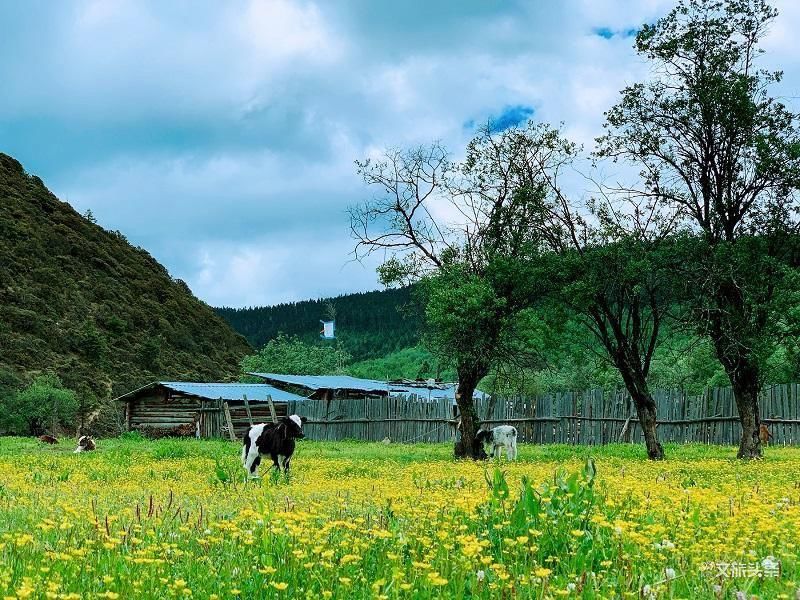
<point x="85" y="443"/>
<point x="48" y="439"/>
<point x="502" y="436"/>
<point x="275" y="440"/>
<point x="478" y="452"/>
<point x="764" y="434"/>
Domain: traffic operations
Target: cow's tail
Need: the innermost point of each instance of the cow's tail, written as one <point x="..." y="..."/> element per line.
<point x="246" y="448"/>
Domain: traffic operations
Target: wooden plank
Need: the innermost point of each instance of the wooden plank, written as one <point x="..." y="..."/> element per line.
<point x="788" y="412"/>
<point x="271" y="408"/>
<point x="247" y="409"/>
<point x="726" y="429"/>
<point x="231" y="433"/>
<point x="783" y="431"/>
<point x="780" y="432"/>
<point x="606" y="408"/>
<point x="795" y="399"/>
<point x="787" y="434"/>
<point x="564" y="411"/>
<point x="703" y="412"/>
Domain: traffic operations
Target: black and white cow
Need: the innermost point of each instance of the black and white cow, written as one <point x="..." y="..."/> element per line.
<point x="502" y="436"/>
<point x="275" y="440"/>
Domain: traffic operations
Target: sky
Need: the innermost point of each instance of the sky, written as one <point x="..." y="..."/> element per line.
<point x="221" y="136"/>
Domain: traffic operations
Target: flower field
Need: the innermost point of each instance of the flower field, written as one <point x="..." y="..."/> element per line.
<point x="171" y="519"/>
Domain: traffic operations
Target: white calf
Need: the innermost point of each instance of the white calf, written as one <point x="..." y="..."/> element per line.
<point x="502" y="436"/>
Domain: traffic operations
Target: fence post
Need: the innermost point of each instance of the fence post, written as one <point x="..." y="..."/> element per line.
<point x="247" y="410"/>
<point x="227" y="411"/>
<point x="272" y="408"/>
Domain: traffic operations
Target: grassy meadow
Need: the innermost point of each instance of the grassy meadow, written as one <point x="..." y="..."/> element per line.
<point x="174" y="518"/>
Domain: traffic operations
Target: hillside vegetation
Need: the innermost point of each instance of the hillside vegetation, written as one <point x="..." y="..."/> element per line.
<point x="395" y="348"/>
<point x="83" y="304"/>
<point x="368" y="324"/>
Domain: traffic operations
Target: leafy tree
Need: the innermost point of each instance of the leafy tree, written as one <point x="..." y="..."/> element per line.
<point x="603" y="260"/>
<point x="716" y="150"/>
<point x="472" y="293"/>
<point x="44" y="404"/>
<point x="292" y="356"/>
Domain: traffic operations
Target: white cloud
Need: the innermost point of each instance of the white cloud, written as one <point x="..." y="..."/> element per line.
<point x="269" y="272"/>
<point x="276" y="31"/>
<point x="221" y="136"/>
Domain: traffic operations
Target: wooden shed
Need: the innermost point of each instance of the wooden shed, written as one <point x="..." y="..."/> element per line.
<point x="199" y="409"/>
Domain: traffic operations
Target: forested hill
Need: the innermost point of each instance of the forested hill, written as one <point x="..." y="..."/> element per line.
<point x="82" y="303"/>
<point x="368" y="324"/>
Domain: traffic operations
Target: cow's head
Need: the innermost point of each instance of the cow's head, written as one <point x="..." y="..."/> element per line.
<point x="483" y="436"/>
<point x="294" y="426"/>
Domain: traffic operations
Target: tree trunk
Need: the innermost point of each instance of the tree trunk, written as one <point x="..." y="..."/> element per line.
<point x="636" y="384"/>
<point x="646" y="409"/>
<point x="466" y="445"/>
<point x="744" y="375"/>
<point x="741" y="367"/>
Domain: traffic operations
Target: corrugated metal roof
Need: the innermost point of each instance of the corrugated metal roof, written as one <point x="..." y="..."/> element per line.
<point x="345" y="382"/>
<point x="327" y="382"/>
<point x="255" y="392"/>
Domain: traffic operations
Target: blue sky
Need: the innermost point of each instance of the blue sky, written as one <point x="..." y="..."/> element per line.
<point x="221" y="136"/>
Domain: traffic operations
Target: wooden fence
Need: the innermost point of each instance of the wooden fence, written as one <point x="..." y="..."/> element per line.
<point x="591" y="417"/>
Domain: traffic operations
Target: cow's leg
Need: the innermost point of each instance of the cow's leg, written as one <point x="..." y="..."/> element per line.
<point x="276" y="462"/>
<point x="252" y="461"/>
<point x="511" y="451"/>
<point x="497" y="452"/>
<point x="286" y="464"/>
<point x="254" y="467"/>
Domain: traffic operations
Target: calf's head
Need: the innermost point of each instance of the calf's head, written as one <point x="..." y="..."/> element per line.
<point x="483" y="436"/>
<point x="294" y="426"/>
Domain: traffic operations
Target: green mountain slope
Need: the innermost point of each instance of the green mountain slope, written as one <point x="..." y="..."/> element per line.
<point x="81" y="302"/>
<point x="368" y="324"/>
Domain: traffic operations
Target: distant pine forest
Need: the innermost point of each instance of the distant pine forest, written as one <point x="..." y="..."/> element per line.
<point x="369" y="325"/>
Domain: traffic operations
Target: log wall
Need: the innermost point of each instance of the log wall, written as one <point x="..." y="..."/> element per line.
<point x="160" y="409"/>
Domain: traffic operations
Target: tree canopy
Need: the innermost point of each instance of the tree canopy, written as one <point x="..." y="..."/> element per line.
<point x="720" y="153"/>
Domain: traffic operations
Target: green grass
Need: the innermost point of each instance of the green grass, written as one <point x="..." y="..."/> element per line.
<point x="176" y="518"/>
